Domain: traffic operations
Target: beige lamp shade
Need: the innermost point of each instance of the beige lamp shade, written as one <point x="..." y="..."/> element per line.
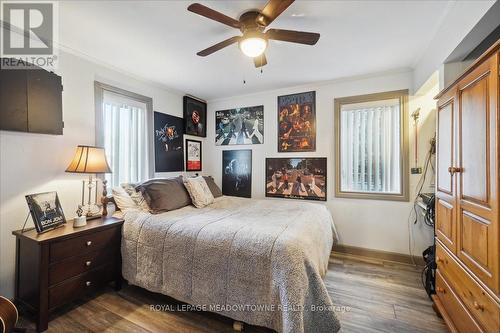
<point x="89" y="159"/>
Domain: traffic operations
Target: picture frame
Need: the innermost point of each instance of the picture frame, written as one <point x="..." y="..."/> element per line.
<point x="46" y="211"/>
<point x="195" y="116"/>
<point x="237" y="173"/>
<point x="194" y="160"/>
<point x="302" y="178"/>
<point x="239" y="126"/>
<point x="168" y="142"/>
<point x="297" y="122"/>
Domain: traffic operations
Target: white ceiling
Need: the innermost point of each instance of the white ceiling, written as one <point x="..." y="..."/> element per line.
<point x="158" y="41"/>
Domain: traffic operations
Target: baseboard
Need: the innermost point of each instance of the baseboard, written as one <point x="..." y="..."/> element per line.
<point x="378" y="254"/>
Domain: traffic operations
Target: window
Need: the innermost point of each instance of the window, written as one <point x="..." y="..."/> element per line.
<point x="123" y="121"/>
<point x="371" y="148"/>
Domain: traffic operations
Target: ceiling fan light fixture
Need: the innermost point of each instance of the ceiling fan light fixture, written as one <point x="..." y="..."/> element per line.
<point x="253" y="46"/>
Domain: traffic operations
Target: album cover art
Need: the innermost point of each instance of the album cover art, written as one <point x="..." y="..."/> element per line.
<point x="297" y="122"/>
<point x="46" y="210"/>
<point x="169" y="152"/>
<point x="243" y="126"/>
<point x="195" y="117"/>
<point x="296" y="178"/>
<point x="237" y="173"/>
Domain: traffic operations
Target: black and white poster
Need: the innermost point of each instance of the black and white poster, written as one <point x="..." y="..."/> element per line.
<point x="296" y="178"/>
<point x="237" y="173"/>
<point x="45" y="210"/>
<point x="169" y="152"/>
<point x="243" y="126"/>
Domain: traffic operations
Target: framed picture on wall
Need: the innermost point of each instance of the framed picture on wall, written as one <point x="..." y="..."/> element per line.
<point x="195" y="117"/>
<point x="297" y="122"/>
<point x="242" y="126"/>
<point x="237" y="173"/>
<point x="45" y="210"/>
<point x="169" y="151"/>
<point x="193" y="155"/>
<point x="296" y="178"/>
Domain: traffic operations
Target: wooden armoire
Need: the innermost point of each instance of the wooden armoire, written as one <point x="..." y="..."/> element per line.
<point x="468" y="200"/>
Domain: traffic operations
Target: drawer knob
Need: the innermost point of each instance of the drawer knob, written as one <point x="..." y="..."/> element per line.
<point x="440" y="290"/>
<point x="438" y="260"/>
<point x="89" y="243"/>
<point x="478" y="306"/>
<point x="88" y="263"/>
<point x="88" y="283"/>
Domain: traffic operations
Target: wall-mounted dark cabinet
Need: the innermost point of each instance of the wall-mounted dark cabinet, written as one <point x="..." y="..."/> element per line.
<point x="30" y="101"/>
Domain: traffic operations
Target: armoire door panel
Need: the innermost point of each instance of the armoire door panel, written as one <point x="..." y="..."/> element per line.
<point x="474" y="152"/>
<point x="474" y="240"/>
<point x="445" y="224"/>
<point x="445" y="147"/>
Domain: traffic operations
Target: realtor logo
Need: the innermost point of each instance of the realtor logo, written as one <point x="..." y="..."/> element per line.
<point x="28" y="34"/>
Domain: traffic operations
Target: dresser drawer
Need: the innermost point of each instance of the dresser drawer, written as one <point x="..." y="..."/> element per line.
<point x="84" y="244"/>
<point x="461" y="318"/>
<point x="74" y="266"/>
<point x="80" y="285"/>
<point x="480" y="304"/>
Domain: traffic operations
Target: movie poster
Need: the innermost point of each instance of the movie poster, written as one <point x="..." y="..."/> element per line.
<point x="169" y="151"/>
<point x="195" y="117"/>
<point x="243" y="126"/>
<point x="297" y="122"/>
<point x="237" y="173"/>
<point x="193" y="155"/>
<point x="296" y="178"/>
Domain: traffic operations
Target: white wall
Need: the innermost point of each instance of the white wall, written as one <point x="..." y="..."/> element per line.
<point x="371" y="224"/>
<point x="31" y="163"/>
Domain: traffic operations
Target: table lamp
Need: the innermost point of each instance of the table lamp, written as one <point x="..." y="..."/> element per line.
<point x="90" y="160"/>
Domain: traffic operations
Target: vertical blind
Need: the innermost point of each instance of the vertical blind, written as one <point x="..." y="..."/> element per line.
<point x="371" y="147"/>
<point x="125" y="138"/>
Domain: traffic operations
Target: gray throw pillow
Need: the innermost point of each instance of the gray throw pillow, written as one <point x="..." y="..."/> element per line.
<point x="163" y="195"/>
<point x="216" y="191"/>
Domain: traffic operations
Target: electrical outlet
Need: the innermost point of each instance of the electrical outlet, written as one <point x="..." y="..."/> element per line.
<point x="416" y="171"/>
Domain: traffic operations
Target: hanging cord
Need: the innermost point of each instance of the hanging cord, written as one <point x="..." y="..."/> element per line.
<point x="420" y="185"/>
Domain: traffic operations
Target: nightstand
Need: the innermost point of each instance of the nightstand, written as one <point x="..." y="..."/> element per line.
<point x="58" y="266"/>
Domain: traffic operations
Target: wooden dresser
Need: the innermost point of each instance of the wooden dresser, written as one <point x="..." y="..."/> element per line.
<point x="63" y="264"/>
<point x="468" y="200"/>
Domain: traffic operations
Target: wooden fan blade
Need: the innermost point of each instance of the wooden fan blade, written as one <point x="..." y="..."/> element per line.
<point x="260" y="60"/>
<point x="272" y="10"/>
<point x="213" y="15"/>
<point x="301" y="37"/>
<point x="218" y="46"/>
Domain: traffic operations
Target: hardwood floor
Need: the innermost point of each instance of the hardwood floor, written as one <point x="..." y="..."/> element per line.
<point x="377" y="296"/>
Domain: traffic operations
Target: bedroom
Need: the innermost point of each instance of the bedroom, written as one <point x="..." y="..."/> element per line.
<point x="301" y="239"/>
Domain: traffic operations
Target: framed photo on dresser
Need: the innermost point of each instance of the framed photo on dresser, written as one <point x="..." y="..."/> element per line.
<point x="45" y="210"/>
<point x="195" y="116"/>
<point x="297" y="122"/>
<point x="193" y="155"/>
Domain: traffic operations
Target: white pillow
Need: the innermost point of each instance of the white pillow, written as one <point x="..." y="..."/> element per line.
<point x="198" y="191"/>
<point x="123" y="200"/>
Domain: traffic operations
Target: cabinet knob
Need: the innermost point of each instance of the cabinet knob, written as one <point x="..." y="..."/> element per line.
<point x="478" y="306"/>
<point x="453" y="170"/>
<point x="89" y="243"/>
<point x="88" y="263"/>
<point x="88" y="283"/>
<point x="440" y="290"/>
<point x="438" y="260"/>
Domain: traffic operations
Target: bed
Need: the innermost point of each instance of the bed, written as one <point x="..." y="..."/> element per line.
<point x="256" y="261"/>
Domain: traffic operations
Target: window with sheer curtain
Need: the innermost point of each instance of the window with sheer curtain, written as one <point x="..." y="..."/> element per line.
<point x="122" y="127"/>
<point x="371" y="148"/>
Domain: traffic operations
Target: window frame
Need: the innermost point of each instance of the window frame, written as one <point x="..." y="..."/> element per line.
<point x="402" y="96"/>
<point x="99" y="89"/>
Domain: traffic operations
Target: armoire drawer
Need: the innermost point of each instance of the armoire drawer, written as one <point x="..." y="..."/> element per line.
<point x="480" y="304"/>
<point x="455" y="309"/>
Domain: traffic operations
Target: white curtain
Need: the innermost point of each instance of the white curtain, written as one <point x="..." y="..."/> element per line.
<point x="125" y="139"/>
<point x="370" y="147"/>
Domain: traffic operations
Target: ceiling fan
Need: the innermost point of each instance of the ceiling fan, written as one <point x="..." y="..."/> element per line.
<point x="252" y="24"/>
